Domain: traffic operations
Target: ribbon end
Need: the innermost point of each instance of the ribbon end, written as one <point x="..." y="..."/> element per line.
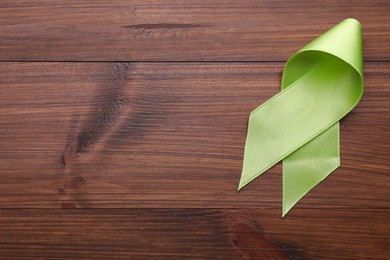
<point x="253" y="152"/>
<point x="286" y="208"/>
<point x="284" y="212"/>
<point x="242" y="184"/>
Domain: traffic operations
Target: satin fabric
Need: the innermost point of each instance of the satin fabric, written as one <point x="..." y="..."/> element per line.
<point x="321" y="83"/>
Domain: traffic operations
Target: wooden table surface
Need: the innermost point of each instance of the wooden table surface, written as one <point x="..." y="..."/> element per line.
<point x="123" y="123"/>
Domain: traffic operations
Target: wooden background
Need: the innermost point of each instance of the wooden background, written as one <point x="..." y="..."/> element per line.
<point x="122" y="128"/>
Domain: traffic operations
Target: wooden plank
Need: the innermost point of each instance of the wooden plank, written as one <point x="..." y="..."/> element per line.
<point x="167" y="30"/>
<point x="152" y="135"/>
<point x="194" y="234"/>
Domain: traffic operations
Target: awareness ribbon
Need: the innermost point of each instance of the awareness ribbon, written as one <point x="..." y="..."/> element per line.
<point x="321" y="83"/>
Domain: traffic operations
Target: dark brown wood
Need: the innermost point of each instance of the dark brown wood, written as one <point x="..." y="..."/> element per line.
<point x="194" y="234"/>
<point x="102" y="158"/>
<point x="170" y="30"/>
<point x="152" y="135"/>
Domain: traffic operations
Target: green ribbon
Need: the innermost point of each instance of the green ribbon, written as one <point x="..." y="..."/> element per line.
<point x="321" y="83"/>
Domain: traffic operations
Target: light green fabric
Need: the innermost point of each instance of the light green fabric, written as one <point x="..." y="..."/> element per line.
<point x="321" y="83"/>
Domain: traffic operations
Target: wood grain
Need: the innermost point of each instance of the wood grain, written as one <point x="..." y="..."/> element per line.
<point x="167" y="30"/>
<point x="152" y="135"/>
<point x="102" y="158"/>
<point x="194" y="234"/>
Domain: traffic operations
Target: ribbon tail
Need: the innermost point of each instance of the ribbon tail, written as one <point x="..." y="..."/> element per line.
<point x="309" y="165"/>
